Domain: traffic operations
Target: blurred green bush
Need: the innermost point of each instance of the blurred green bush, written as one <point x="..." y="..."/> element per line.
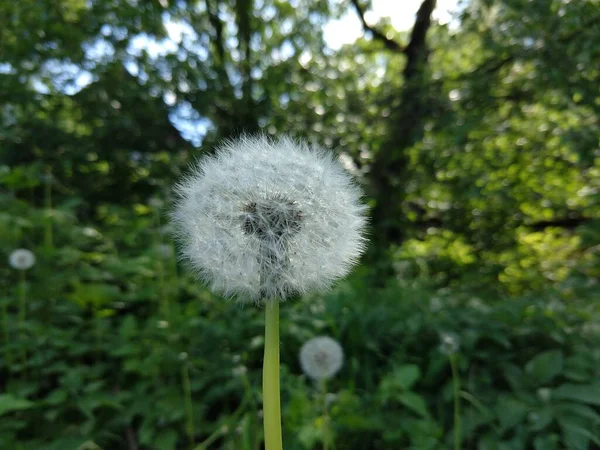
<point x="119" y="349"/>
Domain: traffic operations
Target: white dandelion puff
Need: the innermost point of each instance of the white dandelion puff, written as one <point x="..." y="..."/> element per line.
<point x="269" y="219"/>
<point x="21" y="259"/>
<point x="321" y="357"/>
<point x="449" y="343"/>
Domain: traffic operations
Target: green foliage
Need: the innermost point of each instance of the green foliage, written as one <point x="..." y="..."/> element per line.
<point x="117" y="343"/>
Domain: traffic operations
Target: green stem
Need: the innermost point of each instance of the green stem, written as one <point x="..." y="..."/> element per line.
<point x="231" y="421"/>
<point x="326" y="437"/>
<point x="271" y="402"/>
<point x="48" y="238"/>
<point x="7" y="346"/>
<point x="22" y="316"/>
<point x="189" y="410"/>
<point x="22" y="299"/>
<point x="456" y="391"/>
<point x="162" y="289"/>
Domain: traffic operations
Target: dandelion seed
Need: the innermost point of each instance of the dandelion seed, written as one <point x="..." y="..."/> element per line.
<point x="269" y="219"/>
<point x="321" y="357"/>
<point x="21" y="259"/>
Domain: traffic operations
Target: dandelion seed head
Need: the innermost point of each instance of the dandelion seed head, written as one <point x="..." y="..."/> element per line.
<point x="449" y="343"/>
<point x="21" y="259"/>
<point x="321" y="357"/>
<point x="269" y="219"/>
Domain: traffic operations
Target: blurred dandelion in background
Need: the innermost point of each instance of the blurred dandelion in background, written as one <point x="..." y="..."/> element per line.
<point x="321" y="357"/>
<point x="21" y="259"/>
<point x="449" y="343"/>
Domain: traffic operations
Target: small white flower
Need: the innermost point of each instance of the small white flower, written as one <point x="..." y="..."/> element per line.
<point x="269" y="219"/>
<point x="449" y="343"/>
<point x="321" y="357"/>
<point x="21" y="259"/>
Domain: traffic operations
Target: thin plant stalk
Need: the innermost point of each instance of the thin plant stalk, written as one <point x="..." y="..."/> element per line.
<point x="189" y="410"/>
<point x="232" y="419"/>
<point x="48" y="237"/>
<point x="160" y="268"/>
<point x="456" y="392"/>
<point x="326" y="434"/>
<point x="22" y="300"/>
<point x="162" y="289"/>
<point x="22" y="316"/>
<point x="6" y="332"/>
<point x="271" y="400"/>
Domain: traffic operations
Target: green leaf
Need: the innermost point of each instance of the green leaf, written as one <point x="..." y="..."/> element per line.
<point x="510" y="411"/>
<point x="569" y="410"/>
<point x="548" y="442"/>
<point x="414" y="402"/>
<point x="514" y="377"/>
<point x="540" y="419"/>
<point x="93" y="294"/>
<point x="584" y="393"/>
<point x="56" y="397"/>
<point x="10" y="403"/>
<point x="407" y="375"/>
<point x="165" y="440"/>
<point x="576" y="434"/>
<point x="545" y="366"/>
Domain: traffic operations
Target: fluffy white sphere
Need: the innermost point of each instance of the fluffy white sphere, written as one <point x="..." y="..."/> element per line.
<point x="269" y="219"/>
<point x="21" y="259"/>
<point x="321" y="357"/>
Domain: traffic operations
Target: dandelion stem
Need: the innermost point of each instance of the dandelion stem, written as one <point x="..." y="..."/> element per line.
<point x="271" y="401"/>
<point x="22" y="299"/>
<point x="326" y="437"/>
<point x="48" y="239"/>
<point x="189" y="409"/>
<point x="7" y="346"/>
<point x="22" y="316"/>
<point x="456" y="390"/>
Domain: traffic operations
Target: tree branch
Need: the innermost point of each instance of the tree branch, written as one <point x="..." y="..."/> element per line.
<point x="390" y="44"/>
<point x="416" y="50"/>
<point x="213" y="11"/>
<point x="131" y="438"/>
<point x="566" y="222"/>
